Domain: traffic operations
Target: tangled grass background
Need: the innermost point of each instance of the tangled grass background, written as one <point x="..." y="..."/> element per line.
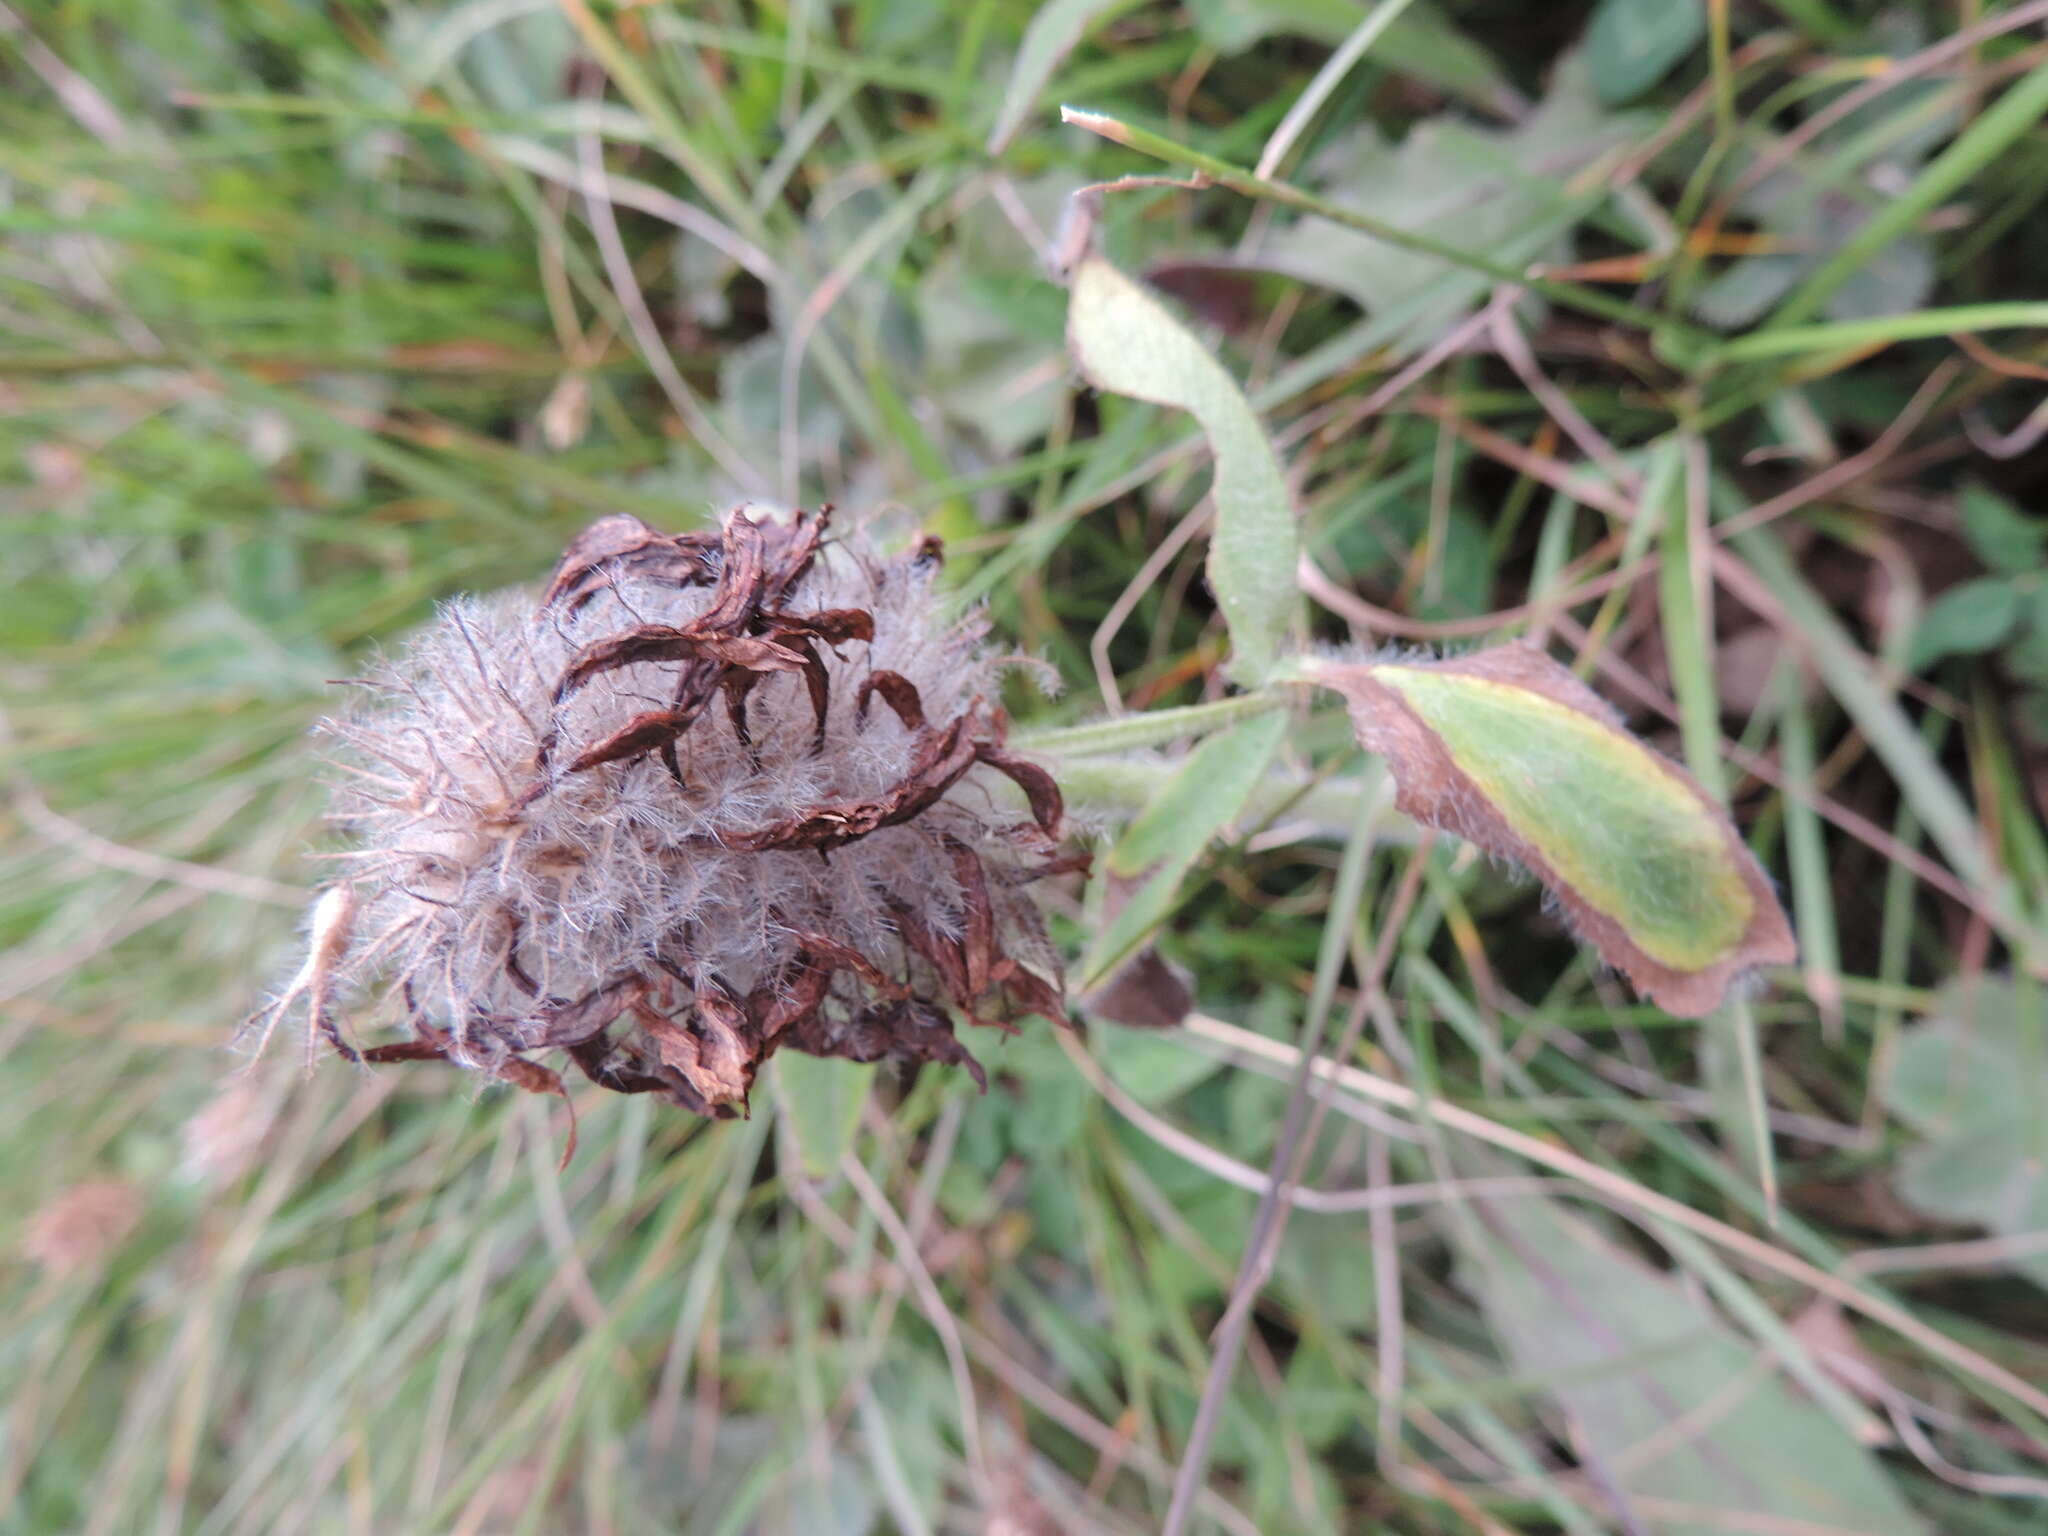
<point x="314" y="317"/>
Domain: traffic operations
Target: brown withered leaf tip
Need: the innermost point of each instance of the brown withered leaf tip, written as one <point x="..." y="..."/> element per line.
<point x="715" y="795"/>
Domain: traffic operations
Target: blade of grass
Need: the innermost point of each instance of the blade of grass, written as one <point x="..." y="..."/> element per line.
<point x="1634" y="1196"/>
<point x="1851" y="677"/>
<point x="1256" y="1261"/>
<point x="1863" y="336"/>
<point x="1806" y="854"/>
<point x="1685" y="586"/>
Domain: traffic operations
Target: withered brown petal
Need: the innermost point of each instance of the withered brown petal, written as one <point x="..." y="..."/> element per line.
<point x="736" y="686"/>
<point x="535" y="1078"/>
<point x="664" y="642"/>
<point x="714" y="1062"/>
<point x="404" y="1050"/>
<point x="680" y="560"/>
<point x="1146" y="992"/>
<point x="978" y="936"/>
<point x="1039" y="786"/>
<point x="910" y="1030"/>
<point x="739" y="579"/>
<point x="940" y="764"/>
<point x="897" y="691"/>
<point x="643" y="733"/>
<point x="937" y="950"/>
<point x="607" y="539"/>
<point x="794" y="998"/>
<point x="845" y="957"/>
<point x="792" y="548"/>
<point x="560" y="1022"/>
<point x="595" y="1058"/>
<point x="834" y="626"/>
<point x="818" y="684"/>
<point x="1038" y="995"/>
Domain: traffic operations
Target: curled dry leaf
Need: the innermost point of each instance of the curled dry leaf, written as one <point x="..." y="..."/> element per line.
<point x="1148" y="991"/>
<point x="1508" y="750"/>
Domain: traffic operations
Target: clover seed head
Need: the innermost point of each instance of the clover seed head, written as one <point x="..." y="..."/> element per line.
<point x="708" y="796"/>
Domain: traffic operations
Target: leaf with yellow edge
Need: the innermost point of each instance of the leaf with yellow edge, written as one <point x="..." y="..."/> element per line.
<point x="1508" y="750"/>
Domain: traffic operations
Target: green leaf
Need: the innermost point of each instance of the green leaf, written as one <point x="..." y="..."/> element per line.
<point x="1633" y="44"/>
<point x="983" y="331"/>
<point x="1209" y="792"/>
<point x="1128" y="343"/>
<point x="1507" y="749"/>
<point x="1151" y="1068"/>
<point x="1626" y="1352"/>
<point x="1990" y="135"/>
<point x="1873" y="704"/>
<point x="1051" y="35"/>
<point x="2032" y="710"/>
<point x="2002" y="536"/>
<point x="822" y="1099"/>
<point x="2028" y="654"/>
<point x="1421" y="42"/>
<point x="1972" y="1080"/>
<point x="1966" y="620"/>
<point x="1054" y="1114"/>
<point x="1325" y="1405"/>
<point x="1506" y="194"/>
<point x="1201" y="799"/>
<point x="1736" y="298"/>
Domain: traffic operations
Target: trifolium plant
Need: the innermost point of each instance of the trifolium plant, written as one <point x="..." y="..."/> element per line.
<point x="708" y="796"/>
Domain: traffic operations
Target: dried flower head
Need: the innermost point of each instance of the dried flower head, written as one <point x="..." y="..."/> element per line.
<point x="224" y="1138"/>
<point x="82" y="1227"/>
<point x="714" y="794"/>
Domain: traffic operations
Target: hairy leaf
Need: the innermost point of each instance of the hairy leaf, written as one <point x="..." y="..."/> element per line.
<point x="1210" y="791"/>
<point x="2002" y="536"/>
<point x="1421" y="42"/>
<point x="1506" y="193"/>
<point x="1966" y="620"/>
<point x="823" y="1101"/>
<point x="1699" y="1435"/>
<point x="1635" y="43"/>
<point x="1128" y="343"/>
<point x="1970" y="1079"/>
<point x="1509" y="750"/>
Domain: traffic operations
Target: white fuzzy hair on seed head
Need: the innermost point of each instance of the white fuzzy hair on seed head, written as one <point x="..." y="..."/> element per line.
<point x="711" y="795"/>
